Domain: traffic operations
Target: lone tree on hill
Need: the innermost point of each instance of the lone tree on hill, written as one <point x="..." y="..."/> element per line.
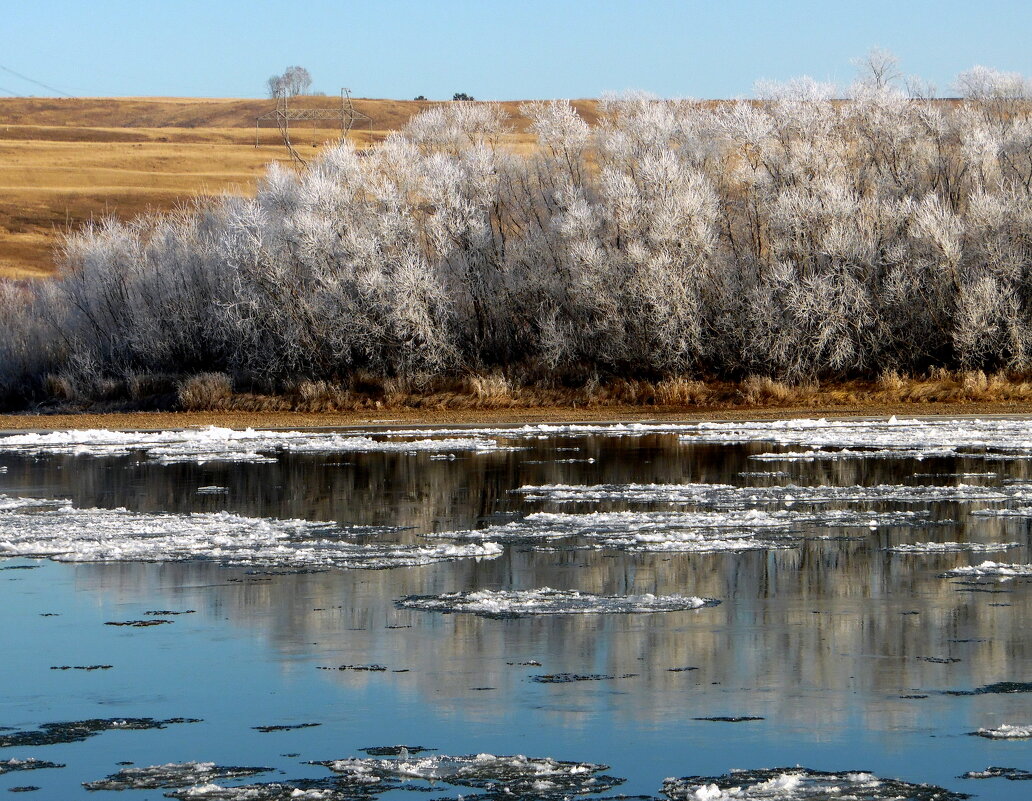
<point x="293" y="82"/>
<point x="462" y="96"/>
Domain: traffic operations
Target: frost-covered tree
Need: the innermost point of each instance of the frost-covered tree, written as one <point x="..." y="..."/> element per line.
<point x="292" y="82"/>
<point x="809" y="233"/>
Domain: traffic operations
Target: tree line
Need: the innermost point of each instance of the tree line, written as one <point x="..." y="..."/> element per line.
<point x="798" y="236"/>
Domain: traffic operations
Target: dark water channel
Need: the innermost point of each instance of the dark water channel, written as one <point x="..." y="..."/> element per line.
<point x="841" y="651"/>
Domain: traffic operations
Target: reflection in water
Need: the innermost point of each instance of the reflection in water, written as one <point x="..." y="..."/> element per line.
<point x="835" y="634"/>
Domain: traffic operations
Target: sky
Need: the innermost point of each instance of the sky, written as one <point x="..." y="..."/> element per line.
<point x="518" y="49"/>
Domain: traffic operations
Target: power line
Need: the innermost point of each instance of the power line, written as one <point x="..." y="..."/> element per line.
<point x="5" y="89"/>
<point x="31" y="80"/>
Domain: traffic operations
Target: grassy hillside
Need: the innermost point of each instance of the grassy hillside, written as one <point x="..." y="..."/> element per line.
<point x="66" y="161"/>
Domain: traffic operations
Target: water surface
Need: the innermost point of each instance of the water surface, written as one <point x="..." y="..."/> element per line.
<point x="843" y="653"/>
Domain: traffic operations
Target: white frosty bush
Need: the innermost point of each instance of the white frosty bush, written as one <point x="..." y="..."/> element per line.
<point x="795" y="237"/>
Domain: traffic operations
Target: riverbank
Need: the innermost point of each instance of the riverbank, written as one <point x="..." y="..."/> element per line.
<point x="366" y="418"/>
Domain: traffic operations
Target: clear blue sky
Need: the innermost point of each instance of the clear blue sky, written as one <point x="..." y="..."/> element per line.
<point x="493" y="50"/>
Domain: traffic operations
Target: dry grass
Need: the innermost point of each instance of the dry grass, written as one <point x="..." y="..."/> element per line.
<point x="66" y="161"/>
<point x="205" y="392"/>
<point x="495" y="392"/>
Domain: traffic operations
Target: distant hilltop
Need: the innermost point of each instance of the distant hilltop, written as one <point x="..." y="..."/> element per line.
<point x="197" y="112"/>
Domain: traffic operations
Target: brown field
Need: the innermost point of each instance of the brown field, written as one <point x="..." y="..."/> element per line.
<point x="64" y="161"/>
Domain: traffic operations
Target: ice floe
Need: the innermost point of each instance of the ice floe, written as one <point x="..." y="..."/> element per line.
<point x="173" y="774"/>
<point x="648" y="531"/>
<point x="725" y="496"/>
<point x="571" y="678"/>
<point x="9" y="503"/>
<point x="514" y="778"/>
<point x="294" y="790"/>
<point x="403" y="751"/>
<point x="1013" y="774"/>
<point x="866" y="439"/>
<point x="1005" y="732"/>
<point x="988" y="569"/>
<point x="59" y="531"/>
<point x="687" y="531"/>
<point x="823" y="439"/>
<point x="952" y="547"/>
<point x="801" y="784"/>
<point x="12" y="765"/>
<point x="996" y="688"/>
<point x="508" y="777"/>
<point x="1020" y="511"/>
<point x="78" y="730"/>
<point x="547" y="601"/>
<point x="213" y="444"/>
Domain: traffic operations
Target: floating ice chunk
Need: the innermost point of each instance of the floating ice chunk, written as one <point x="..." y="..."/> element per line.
<point x="950" y="547"/>
<point x="875" y="439"/>
<point x="957" y="475"/>
<point x="1013" y="774"/>
<point x="295" y="790"/>
<point x="647" y="531"/>
<point x="11" y="765"/>
<point x="510" y="777"/>
<point x="801" y="784"/>
<point x="212" y="490"/>
<point x="1004" y="572"/>
<point x="850" y="439"/>
<point x="1020" y="511"/>
<point x="1006" y="732"/>
<point x="9" y="503"/>
<point x="172" y="774"/>
<point x="78" y="730"/>
<point x="546" y="601"/>
<point x="814" y="455"/>
<point x="724" y="496"/>
<point x="996" y="688"/>
<point x="631" y="493"/>
<point x="69" y="534"/>
<point x="734" y="529"/>
<point x="215" y="444"/>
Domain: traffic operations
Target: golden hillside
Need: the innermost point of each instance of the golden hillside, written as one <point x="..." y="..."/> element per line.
<point x="66" y="161"/>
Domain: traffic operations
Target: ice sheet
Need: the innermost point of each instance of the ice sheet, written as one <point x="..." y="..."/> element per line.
<point x="725" y="496"/>
<point x="987" y="569"/>
<point x="951" y="547"/>
<point x="547" y="601"/>
<point x="214" y="444"/>
<point x="801" y="784"/>
<point x="62" y="532"/>
<point x="1006" y="731"/>
<point x="648" y="531"/>
<point x="892" y="438"/>
<point x="172" y="774"/>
